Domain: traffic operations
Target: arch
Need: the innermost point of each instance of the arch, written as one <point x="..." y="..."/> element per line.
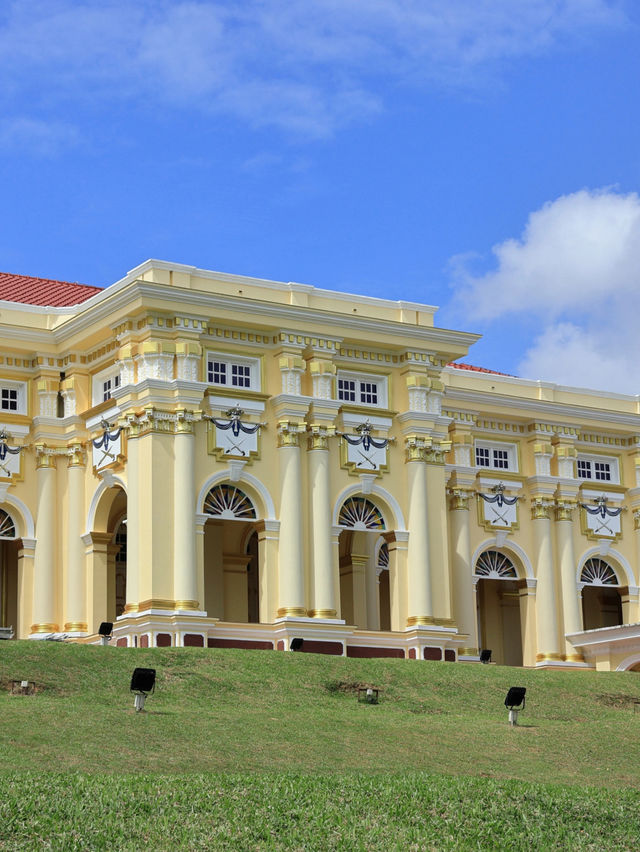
<point x="26" y="522"/>
<point x="390" y="508"/>
<point x="522" y="560"/>
<point x="7" y="526"/>
<point x="359" y="513"/>
<point x="628" y="663"/>
<point x="257" y="492"/>
<point x="598" y="572"/>
<point x="495" y="565"/>
<point x="225" y="500"/>
<point x="612" y="556"/>
<point x="97" y="496"/>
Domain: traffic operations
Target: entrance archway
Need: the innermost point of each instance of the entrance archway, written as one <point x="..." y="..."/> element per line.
<point x="108" y="556"/>
<point x="364" y="565"/>
<point x="231" y="555"/>
<point x="8" y="573"/>
<point x="601" y="601"/>
<point x="498" y="607"/>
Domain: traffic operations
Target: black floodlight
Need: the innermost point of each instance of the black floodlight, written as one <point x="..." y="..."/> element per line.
<point x="143" y="683"/>
<point x="104" y="631"/>
<point x="296" y="644"/>
<point x="485" y="655"/>
<point x="514" y="702"/>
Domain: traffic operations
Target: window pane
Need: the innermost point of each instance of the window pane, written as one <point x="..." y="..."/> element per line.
<point x="482" y="457"/>
<point x="369" y="393"/>
<point x="602" y="470"/>
<point x="9" y="399"/>
<point x="584" y="469"/>
<point x="240" y="375"/>
<point x="501" y="459"/>
<point x="347" y="390"/>
<point x="217" y="372"/>
<point x="106" y="390"/>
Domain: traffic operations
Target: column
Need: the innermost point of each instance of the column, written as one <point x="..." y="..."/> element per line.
<point x="324" y="592"/>
<point x="464" y="607"/>
<point x="44" y="582"/>
<point x="26" y="555"/>
<point x="291" y="591"/>
<point x="419" y="574"/>
<point x="185" y="571"/>
<point x="438" y="533"/>
<point x="547" y="616"/>
<point x="100" y="544"/>
<point x="371" y="585"/>
<point x="75" y="589"/>
<point x="134" y="496"/>
<point x="571" y="614"/>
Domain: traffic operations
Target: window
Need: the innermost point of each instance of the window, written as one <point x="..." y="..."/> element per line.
<point x="233" y="372"/>
<point x="362" y="390"/>
<point x="597" y="468"/>
<point x="105" y="383"/>
<point x="496" y="456"/>
<point x="13" y="397"/>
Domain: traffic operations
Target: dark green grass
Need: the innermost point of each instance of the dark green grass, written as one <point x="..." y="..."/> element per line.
<point x="433" y="766"/>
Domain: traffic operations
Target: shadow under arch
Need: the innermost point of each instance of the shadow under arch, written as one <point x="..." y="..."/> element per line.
<point x="106" y="540"/>
<point x="11" y="543"/>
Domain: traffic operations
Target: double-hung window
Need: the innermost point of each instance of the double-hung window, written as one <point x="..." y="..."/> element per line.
<point x="13" y="397"/>
<point x="597" y="468"/>
<point x="495" y="456"/>
<point x="227" y="371"/>
<point x="362" y="389"/>
<point x="104" y="384"/>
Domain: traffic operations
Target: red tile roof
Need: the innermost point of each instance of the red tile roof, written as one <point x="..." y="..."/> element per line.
<point x="479" y="369"/>
<point x="43" y="291"/>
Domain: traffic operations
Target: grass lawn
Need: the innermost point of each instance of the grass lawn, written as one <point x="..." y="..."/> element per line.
<point x="265" y="750"/>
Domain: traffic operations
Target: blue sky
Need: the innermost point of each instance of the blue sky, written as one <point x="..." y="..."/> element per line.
<point x="479" y="155"/>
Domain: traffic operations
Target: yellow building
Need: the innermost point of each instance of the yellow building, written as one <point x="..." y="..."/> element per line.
<point x="214" y="460"/>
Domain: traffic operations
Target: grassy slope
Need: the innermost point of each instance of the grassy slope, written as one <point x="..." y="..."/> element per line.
<point x="271" y="714"/>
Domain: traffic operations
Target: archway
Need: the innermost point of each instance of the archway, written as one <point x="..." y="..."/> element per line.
<point x="231" y="555"/>
<point x="498" y="607"/>
<point x="108" y="556"/>
<point x="364" y="593"/>
<point x="8" y="574"/>
<point x="601" y="601"/>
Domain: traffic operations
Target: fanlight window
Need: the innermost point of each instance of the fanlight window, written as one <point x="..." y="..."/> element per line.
<point x="597" y="572"/>
<point x="360" y="514"/>
<point x="228" y="502"/>
<point x="383" y="557"/>
<point x="496" y="566"/>
<point x="7" y="527"/>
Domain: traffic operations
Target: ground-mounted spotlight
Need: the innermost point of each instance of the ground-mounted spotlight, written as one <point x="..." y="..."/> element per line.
<point x="368" y="694"/>
<point x="6" y="632"/>
<point x="514" y="702"/>
<point x="143" y="683"/>
<point x="296" y="644"/>
<point x="104" y="631"/>
<point x="485" y="655"/>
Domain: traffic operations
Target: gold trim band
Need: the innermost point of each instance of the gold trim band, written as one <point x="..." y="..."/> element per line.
<point x="76" y="627"/>
<point x="187" y="605"/>
<point x="552" y="657"/>
<point x="44" y="628"/>
<point x="129" y="608"/>
<point x="298" y="611"/>
<point x="156" y="603"/>
<point x="574" y="658"/>
<point x="468" y="652"/>
<point x="322" y="613"/>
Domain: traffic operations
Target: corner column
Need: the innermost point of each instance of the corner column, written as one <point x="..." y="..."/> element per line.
<point x="324" y="594"/>
<point x="44" y="585"/>
<point x="185" y="569"/>
<point x="464" y="606"/>
<point x="546" y="603"/>
<point x="291" y="585"/>
<point x="419" y="571"/>
<point x="571" y="614"/>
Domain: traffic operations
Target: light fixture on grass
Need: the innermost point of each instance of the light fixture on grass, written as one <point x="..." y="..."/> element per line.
<point x="104" y="631"/>
<point x="485" y="655"/>
<point x="143" y="683"/>
<point x="514" y="702"/>
<point x="296" y="644"/>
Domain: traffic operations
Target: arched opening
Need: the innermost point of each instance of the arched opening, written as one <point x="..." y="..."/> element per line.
<point x="8" y="574"/>
<point x="231" y="555"/>
<point x="601" y="601"/>
<point x="364" y="591"/>
<point x="108" y="557"/>
<point x="120" y="566"/>
<point x="498" y="603"/>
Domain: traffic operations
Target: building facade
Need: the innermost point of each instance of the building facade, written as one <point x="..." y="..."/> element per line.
<point x="214" y="460"/>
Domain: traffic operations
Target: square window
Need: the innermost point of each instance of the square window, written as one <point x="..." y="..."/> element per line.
<point x="584" y="469"/>
<point x="482" y="457"/>
<point x="369" y="393"/>
<point x="9" y="399"/>
<point x="217" y="372"/>
<point x="240" y="376"/>
<point x="602" y="471"/>
<point x="501" y="459"/>
<point x="347" y="390"/>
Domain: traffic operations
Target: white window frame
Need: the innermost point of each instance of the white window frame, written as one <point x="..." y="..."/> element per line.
<point x="20" y="389"/>
<point x="592" y="460"/>
<point x="493" y="446"/>
<point x="231" y="361"/>
<point x="361" y="379"/>
<point x="99" y="380"/>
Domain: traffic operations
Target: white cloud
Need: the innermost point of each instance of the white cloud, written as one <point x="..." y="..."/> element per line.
<point x="574" y="274"/>
<point x="44" y="138"/>
<point x="305" y="65"/>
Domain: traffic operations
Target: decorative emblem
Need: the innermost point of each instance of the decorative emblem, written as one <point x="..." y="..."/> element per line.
<point x="235" y="438"/>
<point x="363" y="451"/>
<point x="107" y="447"/>
<point x="600" y="519"/>
<point x="499" y="511"/>
<point x="9" y="457"/>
